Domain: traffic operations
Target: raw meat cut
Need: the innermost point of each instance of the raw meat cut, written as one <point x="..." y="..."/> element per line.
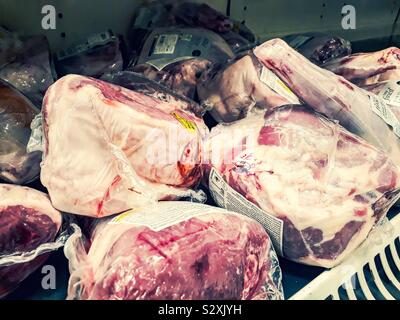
<point x="369" y="67"/>
<point x="27" y="220"/>
<point x="231" y="91"/>
<point x="176" y="57"/>
<point x="101" y="53"/>
<point x="182" y="77"/>
<point x="109" y="149"/>
<point x="328" y="186"/>
<point x="25" y="63"/>
<point x="330" y="95"/>
<point x="199" y="253"/>
<point x="140" y="83"/>
<point x="319" y="48"/>
<point x="16" y="114"/>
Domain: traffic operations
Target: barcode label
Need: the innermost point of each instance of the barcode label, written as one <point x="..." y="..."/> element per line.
<point x="166" y="44"/>
<point x="383" y="110"/>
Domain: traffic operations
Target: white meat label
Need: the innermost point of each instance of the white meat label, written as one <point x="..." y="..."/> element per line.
<point x="225" y="196"/>
<point x="164" y="214"/>
<point x="383" y="110"/>
<point x="272" y="81"/>
<point x="391" y="93"/>
<point x="166" y="44"/>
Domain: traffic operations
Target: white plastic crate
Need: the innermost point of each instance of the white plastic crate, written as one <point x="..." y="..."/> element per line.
<point x="372" y="272"/>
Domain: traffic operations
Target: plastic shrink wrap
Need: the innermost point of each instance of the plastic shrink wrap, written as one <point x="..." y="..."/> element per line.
<point x="176" y="57"/>
<point x="99" y="54"/>
<point x="25" y="63"/>
<point x="109" y="149"/>
<point x="319" y="48"/>
<point x="28" y="229"/>
<point x="174" y="251"/>
<point x="17" y="165"/>
<point x="324" y="187"/>
<point x="368" y="67"/>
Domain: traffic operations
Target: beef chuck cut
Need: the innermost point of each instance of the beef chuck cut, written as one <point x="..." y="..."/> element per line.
<point x="109" y="149"/>
<point x="206" y="253"/>
<point x="369" y="67"/>
<point x="27" y="220"/>
<point x="327" y="185"/>
<point x="329" y="94"/>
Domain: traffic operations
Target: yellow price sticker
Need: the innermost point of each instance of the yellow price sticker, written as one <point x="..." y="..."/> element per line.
<point x="284" y="86"/>
<point x="187" y="124"/>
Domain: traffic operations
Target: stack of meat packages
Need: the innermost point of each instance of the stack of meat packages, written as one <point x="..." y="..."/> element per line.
<point x="295" y="143"/>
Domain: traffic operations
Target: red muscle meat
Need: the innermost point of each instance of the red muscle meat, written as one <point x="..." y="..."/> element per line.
<point x="27" y="220"/>
<point x="215" y="254"/>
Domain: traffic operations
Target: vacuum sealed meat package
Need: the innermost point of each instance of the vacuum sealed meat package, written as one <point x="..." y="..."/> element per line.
<point x="232" y="90"/>
<point x="99" y="54"/>
<point x="108" y="149"/>
<point x="193" y="14"/>
<point x="319" y="48"/>
<point x="17" y="165"/>
<point x="141" y="83"/>
<point x="317" y="188"/>
<point x="28" y="229"/>
<point x="174" y="251"/>
<point x="25" y="63"/>
<point x="368" y="67"/>
<point x="176" y="57"/>
<point x="183" y="14"/>
<point x="358" y="111"/>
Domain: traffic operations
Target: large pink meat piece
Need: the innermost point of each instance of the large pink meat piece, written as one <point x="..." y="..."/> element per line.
<point x="328" y="186"/>
<point x="329" y="94"/>
<point x="231" y="91"/>
<point x="369" y="67"/>
<point x="109" y="149"/>
<point x="213" y="255"/>
<point x="27" y="220"/>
